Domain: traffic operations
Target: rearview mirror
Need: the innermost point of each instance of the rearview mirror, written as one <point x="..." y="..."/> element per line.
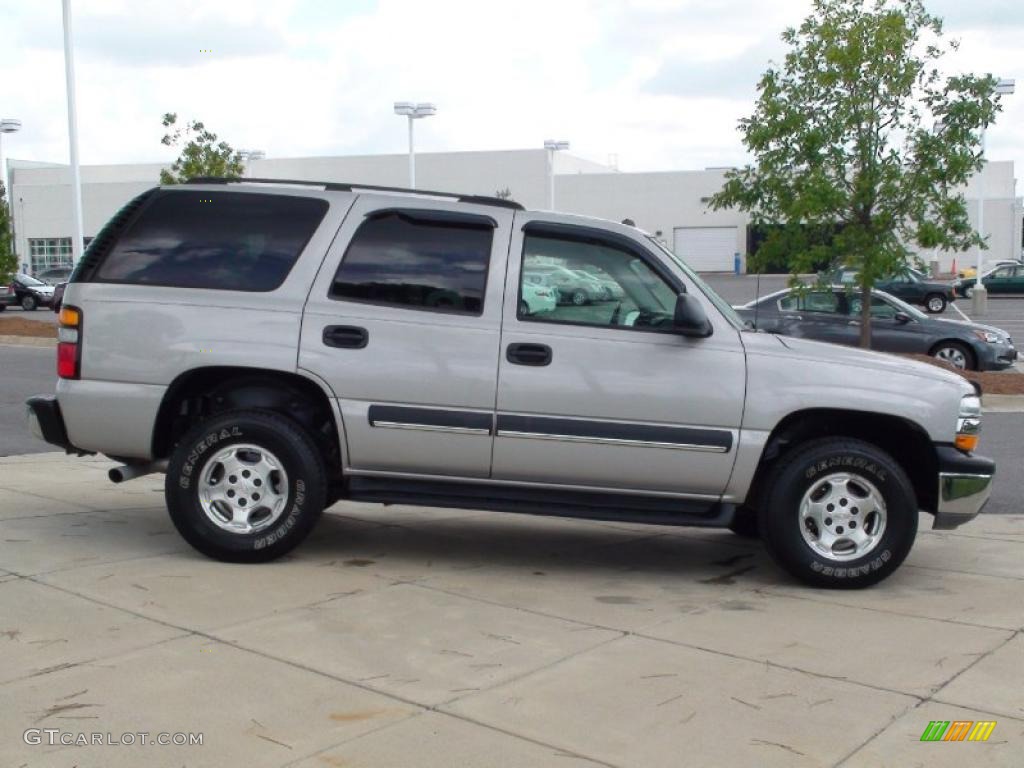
<point x="689" y="318"/>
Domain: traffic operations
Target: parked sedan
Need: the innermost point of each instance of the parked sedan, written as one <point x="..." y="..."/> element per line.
<point x="31" y="293"/>
<point x="1007" y="279"/>
<point x="912" y="286"/>
<point x="833" y="315"/>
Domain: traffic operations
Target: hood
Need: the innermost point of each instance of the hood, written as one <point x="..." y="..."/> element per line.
<point x="863" y="358"/>
<point x="972" y="326"/>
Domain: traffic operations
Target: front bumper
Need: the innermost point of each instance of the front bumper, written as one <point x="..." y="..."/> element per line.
<point x="965" y="483"/>
<point x="46" y="422"/>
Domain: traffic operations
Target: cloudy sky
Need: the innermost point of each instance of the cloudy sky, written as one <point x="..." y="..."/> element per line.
<point x="659" y="84"/>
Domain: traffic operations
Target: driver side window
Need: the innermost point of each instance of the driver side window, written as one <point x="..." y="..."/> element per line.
<point x="590" y="283"/>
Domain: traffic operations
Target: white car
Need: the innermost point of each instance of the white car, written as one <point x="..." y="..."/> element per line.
<point x="537" y="298"/>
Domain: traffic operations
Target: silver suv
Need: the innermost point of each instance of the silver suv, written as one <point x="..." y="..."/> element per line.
<point x="275" y="347"/>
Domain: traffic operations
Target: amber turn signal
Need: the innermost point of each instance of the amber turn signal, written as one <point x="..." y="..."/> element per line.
<point x="70" y="317"/>
<point x="966" y="442"/>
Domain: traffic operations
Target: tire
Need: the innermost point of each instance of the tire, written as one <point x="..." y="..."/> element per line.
<point x="202" y="462"/>
<point x="968" y="291"/>
<point x="850" y="471"/>
<point x="579" y="298"/>
<point x="3" y="307"/>
<point x="524" y="308"/>
<point x="958" y="355"/>
<point x="935" y="303"/>
<point x="29" y="303"/>
<point x="745" y="524"/>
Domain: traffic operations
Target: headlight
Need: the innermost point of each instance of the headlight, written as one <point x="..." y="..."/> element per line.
<point x="968" y="423"/>
<point x="991" y="338"/>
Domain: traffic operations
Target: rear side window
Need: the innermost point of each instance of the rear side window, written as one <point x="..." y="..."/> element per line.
<point x="423" y="264"/>
<point x="225" y="240"/>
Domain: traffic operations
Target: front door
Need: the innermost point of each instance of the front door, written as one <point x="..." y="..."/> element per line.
<point x="602" y="394"/>
<point x="403" y="324"/>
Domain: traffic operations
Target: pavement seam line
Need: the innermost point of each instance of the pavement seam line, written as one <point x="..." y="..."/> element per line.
<point x="931" y="699"/>
<point x="337" y="678"/>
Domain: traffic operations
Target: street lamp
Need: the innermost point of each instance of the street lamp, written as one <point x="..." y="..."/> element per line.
<point x="979" y="296"/>
<point x="7" y="125"/>
<point x="413" y="112"/>
<point x="553" y="146"/>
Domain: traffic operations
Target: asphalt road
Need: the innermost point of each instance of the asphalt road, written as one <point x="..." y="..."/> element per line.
<point x="27" y="371"/>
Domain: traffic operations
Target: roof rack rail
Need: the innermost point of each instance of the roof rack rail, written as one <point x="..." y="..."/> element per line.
<point x="334" y="186"/>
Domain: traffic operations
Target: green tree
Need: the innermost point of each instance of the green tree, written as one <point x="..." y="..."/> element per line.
<point x="8" y="261"/>
<point x="848" y="168"/>
<point x="201" y="154"/>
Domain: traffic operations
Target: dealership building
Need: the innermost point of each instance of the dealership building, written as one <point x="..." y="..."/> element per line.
<point x="671" y="204"/>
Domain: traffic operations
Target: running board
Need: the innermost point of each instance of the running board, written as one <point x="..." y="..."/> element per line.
<point x="654" y="510"/>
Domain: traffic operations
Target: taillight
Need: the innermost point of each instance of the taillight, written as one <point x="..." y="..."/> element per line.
<point x="69" y="343"/>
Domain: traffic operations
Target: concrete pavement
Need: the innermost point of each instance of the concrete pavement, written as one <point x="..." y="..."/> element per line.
<point x="401" y="636"/>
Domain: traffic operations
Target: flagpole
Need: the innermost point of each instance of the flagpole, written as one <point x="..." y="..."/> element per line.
<point x="76" y="177"/>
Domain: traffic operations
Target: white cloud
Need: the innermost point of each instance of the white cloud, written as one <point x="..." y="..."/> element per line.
<point x="660" y="83"/>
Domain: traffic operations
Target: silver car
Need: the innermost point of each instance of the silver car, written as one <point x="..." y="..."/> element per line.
<point x="316" y="343"/>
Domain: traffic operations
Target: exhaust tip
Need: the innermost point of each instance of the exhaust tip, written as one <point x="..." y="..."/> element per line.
<point x="116" y="475"/>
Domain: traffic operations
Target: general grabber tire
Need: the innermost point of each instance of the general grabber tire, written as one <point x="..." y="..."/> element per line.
<point x="838" y="513"/>
<point x="246" y="486"/>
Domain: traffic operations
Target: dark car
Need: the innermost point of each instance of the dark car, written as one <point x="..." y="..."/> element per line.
<point x="31" y="293"/>
<point x="7" y="296"/>
<point x="910" y="285"/>
<point x="832" y="314"/>
<point x="1005" y="279"/>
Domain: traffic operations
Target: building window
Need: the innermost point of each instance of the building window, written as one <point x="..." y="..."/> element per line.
<point x="49" y="252"/>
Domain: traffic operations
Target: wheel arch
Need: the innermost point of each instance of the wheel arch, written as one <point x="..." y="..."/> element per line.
<point x="201" y="392"/>
<point x="906" y="441"/>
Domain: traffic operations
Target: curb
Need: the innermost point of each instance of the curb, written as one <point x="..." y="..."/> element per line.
<point x="28" y="341"/>
<point x="1002" y="403"/>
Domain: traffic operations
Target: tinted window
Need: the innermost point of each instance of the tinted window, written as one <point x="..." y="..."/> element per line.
<point x="418" y="264"/>
<point x="816" y="301"/>
<point x="227" y="240"/>
<point x="591" y="283"/>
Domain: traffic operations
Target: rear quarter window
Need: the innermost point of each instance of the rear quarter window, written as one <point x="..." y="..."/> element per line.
<point x="221" y="240"/>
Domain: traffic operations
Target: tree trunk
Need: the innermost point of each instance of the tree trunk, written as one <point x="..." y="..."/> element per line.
<point x="865" y="317"/>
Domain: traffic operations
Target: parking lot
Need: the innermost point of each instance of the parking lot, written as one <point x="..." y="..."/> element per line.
<point x="409" y="636"/>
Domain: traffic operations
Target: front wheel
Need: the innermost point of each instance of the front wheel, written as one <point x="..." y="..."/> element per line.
<point x="935" y="303"/>
<point x="579" y="298"/>
<point x="246" y="486"/>
<point x="956" y="354"/>
<point x="29" y="302"/>
<point x="839" y="513"/>
<point x="968" y="291"/>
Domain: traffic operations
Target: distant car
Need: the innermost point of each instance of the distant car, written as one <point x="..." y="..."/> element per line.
<point x="608" y="285"/>
<point x="986" y="267"/>
<point x="1007" y="279"/>
<point x="572" y="288"/>
<point x="31" y="293"/>
<point x="7" y="296"/>
<point x="833" y="315"/>
<point x="54" y="276"/>
<point x="537" y="298"/>
<point x="911" y="285"/>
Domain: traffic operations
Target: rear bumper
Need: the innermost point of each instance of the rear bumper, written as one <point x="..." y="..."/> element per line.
<point x="965" y="483"/>
<point x="46" y="422"/>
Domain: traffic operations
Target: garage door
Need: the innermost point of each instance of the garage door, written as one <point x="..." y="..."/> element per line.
<point x="707" y="249"/>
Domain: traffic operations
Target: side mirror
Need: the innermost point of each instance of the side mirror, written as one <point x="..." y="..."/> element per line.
<point x="689" y="318"/>
<point x="901" y="317"/>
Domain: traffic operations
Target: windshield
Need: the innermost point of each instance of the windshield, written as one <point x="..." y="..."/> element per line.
<point x="720" y="304"/>
<point x="902" y="306"/>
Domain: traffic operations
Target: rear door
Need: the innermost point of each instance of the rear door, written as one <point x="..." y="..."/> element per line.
<point x="403" y="324"/>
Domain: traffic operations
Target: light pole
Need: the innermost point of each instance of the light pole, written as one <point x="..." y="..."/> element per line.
<point x="979" y="296"/>
<point x="413" y="112"/>
<point x="78" y="240"/>
<point x="7" y="125"/>
<point x="553" y="146"/>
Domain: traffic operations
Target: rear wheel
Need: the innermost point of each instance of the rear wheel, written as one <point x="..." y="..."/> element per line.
<point x="246" y="486"/>
<point x="839" y="513"/>
<point x="956" y="354"/>
<point x="579" y="298"/>
<point x="935" y="303"/>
